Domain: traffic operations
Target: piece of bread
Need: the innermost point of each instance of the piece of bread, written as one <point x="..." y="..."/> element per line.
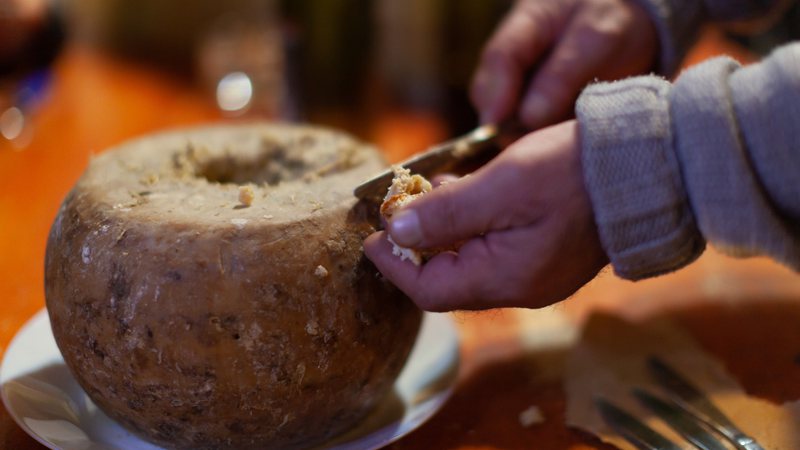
<point x="405" y="188"/>
<point x="202" y="314"/>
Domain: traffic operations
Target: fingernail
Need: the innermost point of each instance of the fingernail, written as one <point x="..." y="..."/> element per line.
<point x="405" y="229"/>
<point x="536" y="109"/>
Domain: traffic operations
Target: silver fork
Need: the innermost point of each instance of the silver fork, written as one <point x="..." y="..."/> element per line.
<point x="686" y="410"/>
<point x="694" y="402"/>
<point x="634" y="431"/>
<point x="645" y="438"/>
<point x="685" y="424"/>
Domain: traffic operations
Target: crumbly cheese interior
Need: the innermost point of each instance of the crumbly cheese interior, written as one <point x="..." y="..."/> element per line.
<point x="405" y="188"/>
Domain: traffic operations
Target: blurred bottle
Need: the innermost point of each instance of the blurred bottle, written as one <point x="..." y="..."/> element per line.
<point x="330" y="43"/>
<point x="427" y="51"/>
<point x="351" y="60"/>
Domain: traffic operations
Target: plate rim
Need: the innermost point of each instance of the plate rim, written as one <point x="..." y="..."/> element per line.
<point x="433" y="404"/>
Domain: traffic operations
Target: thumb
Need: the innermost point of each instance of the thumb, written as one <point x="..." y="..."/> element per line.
<point x="453" y="212"/>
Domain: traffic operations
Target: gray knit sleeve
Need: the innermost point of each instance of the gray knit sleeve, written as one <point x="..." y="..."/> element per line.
<point x="715" y="157"/>
<point x="678" y="22"/>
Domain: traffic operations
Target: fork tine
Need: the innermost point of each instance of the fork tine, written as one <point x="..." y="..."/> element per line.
<point x="630" y="428"/>
<point x="679" y="420"/>
<point x="694" y="402"/>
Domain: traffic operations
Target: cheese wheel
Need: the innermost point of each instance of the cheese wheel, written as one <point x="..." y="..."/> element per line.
<point x="208" y="288"/>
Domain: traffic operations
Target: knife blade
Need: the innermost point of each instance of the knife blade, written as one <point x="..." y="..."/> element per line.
<point x="630" y="428"/>
<point x="435" y="160"/>
<point x="694" y="402"/>
<point x="679" y="420"/>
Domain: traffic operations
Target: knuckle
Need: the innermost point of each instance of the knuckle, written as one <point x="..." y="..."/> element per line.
<point x="607" y="19"/>
<point x="600" y="34"/>
<point x="545" y="17"/>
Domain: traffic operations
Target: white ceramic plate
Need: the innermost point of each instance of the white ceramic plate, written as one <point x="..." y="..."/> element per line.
<point x="45" y="400"/>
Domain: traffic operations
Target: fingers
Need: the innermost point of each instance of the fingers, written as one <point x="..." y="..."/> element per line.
<point x="447" y="282"/>
<point x="459" y="210"/>
<point x="603" y="39"/>
<point x="523" y="37"/>
<point x="431" y="285"/>
<point x="587" y="45"/>
<point x="526" y="224"/>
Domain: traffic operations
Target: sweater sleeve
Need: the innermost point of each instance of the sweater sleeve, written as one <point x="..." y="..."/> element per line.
<point x="678" y="22"/>
<point x="714" y="157"/>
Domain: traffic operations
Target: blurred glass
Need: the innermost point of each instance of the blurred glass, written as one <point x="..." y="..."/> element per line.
<point x="218" y="45"/>
<point x="241" y="57"/>
<point x="235" y="92"/>
<point x="31" y="35"/>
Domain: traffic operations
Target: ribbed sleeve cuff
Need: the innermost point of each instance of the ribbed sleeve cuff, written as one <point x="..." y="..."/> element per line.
<point x="677" y="23"/>
<point x="633" y="178"/>
<point x="720" y="155"/>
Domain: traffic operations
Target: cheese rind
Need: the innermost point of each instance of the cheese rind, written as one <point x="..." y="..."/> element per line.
<point x="185" y="314"/>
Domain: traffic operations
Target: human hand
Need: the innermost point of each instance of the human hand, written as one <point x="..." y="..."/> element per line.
<point x="545" y="52"/>
<point x="527" y="226"/>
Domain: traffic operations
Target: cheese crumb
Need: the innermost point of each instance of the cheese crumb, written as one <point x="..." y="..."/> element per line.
<point x="531" y="416"/>
<point x="321" y="272"/>
<point x="312" y="328"/>
<point x="405" y="188"/>
<point x="246" y="195"/>
<point x="150" y="179"/>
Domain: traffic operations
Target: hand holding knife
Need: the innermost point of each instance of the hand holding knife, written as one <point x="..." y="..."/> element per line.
<point x="477" y="146"/>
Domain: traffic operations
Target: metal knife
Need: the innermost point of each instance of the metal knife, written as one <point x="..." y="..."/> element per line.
<point x="634" y="431"/>
<point x="694" y="402"/>
<point x="437" y="159"/>
<point x="681" y="421"/>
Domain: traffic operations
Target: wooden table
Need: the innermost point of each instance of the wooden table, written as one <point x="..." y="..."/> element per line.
<point x="96" y="101"/>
